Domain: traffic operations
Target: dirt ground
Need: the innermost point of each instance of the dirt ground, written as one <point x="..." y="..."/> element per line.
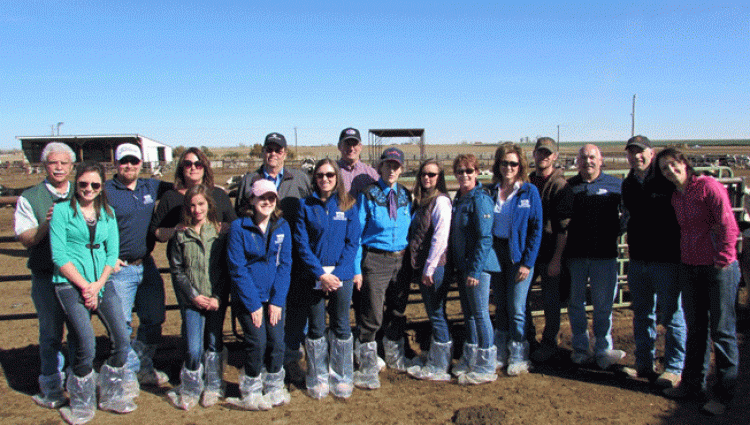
<point x="556" y="394"/>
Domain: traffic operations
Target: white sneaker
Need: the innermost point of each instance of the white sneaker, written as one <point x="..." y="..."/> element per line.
<point x="580" y="358"/>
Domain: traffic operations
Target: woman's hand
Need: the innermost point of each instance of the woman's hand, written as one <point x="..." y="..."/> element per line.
<point x="274" y="314"/>
<point x="257" y="317"/>
<point x="427" y="280"/>
<point x="329" y="282"/>
<point x="357" y="282"/>
<point x="523" y="273"/>
<point x="470" y="281"/>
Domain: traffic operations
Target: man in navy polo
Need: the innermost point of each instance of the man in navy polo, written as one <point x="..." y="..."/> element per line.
<point x="591" y="253"/>
<point x="136" y="277"/>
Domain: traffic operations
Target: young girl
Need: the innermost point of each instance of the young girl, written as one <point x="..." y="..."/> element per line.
<point x="259" y="251"/>
<point x="197" y="263"/>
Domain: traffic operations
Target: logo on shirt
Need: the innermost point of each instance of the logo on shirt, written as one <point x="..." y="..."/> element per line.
<point x="602" y="191"/>
<point x="339" y="216"/>
<point x="147" y="199"/>
<point x="524" y="204"/>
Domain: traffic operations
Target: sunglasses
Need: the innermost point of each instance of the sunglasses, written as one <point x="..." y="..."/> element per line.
<point x="129" y="160"/>
<point x="329" y="175"/>
<point x="512" y="164"/>
<point x="274" y="150"/>
<point x="269" y="198"/>
<point x="187" y="164"/>
<point x="430" y="175"/>
<point x="94" y="185"/>
<point x="466" y="171"/>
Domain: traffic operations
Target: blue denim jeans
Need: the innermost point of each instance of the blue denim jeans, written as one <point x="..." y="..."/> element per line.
<point x="51" y="323"/>
<point x="651" y="283"/>
<point x="201" y="330"/>
<point x="339" y="302"/>
<point x="141" y="287"/>
<point x="264" y="346"/>
<point x="434" y="304"/>
<point x="509" y="295"/>
<point x="601" y="274"/>
<point x="78" y="319"/>
<point x="709" y="296"/>
<point x="475" y="303"/>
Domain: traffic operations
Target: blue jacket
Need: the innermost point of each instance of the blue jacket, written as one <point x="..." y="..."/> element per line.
<point x="326" y="236"/>
<point x="470" y="242"/>
<point x="379" y="230"/>
<point x="260" y="264"/>
<point x="525" y="224"/>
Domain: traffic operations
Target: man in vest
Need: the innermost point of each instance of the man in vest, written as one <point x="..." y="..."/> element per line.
<point x="33" y="213"/>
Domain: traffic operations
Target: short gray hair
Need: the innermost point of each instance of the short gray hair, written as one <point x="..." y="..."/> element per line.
<point x="57" y="147"/>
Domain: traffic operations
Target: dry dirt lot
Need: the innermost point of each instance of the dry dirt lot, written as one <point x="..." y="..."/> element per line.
<point x="558" y="394"/>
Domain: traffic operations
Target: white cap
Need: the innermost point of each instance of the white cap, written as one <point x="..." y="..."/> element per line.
<point x="263" y="186"/>
<point x="127" y="149"/>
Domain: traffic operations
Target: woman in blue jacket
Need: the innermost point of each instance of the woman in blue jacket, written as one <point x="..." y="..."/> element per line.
<point x="85" y="244"/>
<point x="517" y="234"/>
<point x="259" y="251"/>
<point x="327" y="237"/>
<point x="470" y="246"/>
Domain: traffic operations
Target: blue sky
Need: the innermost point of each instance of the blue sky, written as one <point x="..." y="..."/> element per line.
<point x="225" y="73"/>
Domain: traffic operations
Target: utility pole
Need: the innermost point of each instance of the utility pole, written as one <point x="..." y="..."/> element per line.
<point x="632" y="124"/>
<point x="296" y="149"/>
<point x="558" y="133"/>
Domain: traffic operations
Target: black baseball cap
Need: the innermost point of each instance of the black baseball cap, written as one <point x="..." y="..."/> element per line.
<point x="392" y="154"/>
<point x="350" y="134"/>
<point x="639" y="141"/>
<point x="275" y="138"/>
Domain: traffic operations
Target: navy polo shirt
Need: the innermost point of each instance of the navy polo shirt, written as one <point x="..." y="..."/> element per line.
<point x="595" y="225"/>
<point x="133" y="209"/>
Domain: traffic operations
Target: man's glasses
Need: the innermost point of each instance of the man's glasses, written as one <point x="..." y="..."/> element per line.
<point x="197" y="164"/>
<point x="277" y="150"/>
<point x="94" y="185"/>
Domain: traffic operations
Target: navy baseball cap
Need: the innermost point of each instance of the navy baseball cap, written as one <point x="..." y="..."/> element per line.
<point x="392" y="154"/>
<point x="348" y="134"/>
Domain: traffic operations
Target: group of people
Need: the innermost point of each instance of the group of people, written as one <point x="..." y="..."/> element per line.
<point x="292" y="249"/>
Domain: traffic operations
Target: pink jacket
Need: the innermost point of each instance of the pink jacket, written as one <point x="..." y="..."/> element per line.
<point x="707" y="225"/>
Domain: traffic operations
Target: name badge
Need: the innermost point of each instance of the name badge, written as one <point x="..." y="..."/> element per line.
<point x="339" y="216"/>
<point x="147" y="199"/>
<point x="524" y="204"/>
<point x="279" y="239"/>
<point x="602" y="191"/>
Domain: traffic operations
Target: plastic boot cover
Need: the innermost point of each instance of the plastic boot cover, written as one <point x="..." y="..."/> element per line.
<point x="215" y="386"/>
<point x="501" y="342"/>
<point x="341" y="367"/>
<point x="148" y="375"/>
<point x="467" y="360"/>
<point x="251" y="392"/>
<point x="186" y="395"/>
<point x="316" y="379"/>
<point x="82" y="399"/>
<point x="484" y="368"/>
<point x="394" y="355"/>
<point x="274" y="389"/>
<point x="438" y="360"/>
<point x="51" y="391"/>
<point x="111" y="391"/>
<point x="518" y="361"/>
<point x="366" y="377"/>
